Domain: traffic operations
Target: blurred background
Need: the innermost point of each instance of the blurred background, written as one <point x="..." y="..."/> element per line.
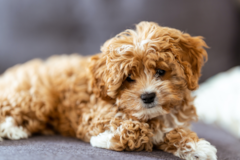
<point x="38" y="29"/>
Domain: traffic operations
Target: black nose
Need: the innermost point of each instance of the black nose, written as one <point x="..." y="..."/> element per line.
<point x="148" y="97"/>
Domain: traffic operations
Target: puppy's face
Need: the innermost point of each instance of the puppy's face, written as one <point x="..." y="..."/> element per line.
<point x="154" y="88"/>
<point x="147" y="72"/>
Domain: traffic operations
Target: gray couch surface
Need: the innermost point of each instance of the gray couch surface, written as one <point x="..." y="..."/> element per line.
<point x="66" y="148"/>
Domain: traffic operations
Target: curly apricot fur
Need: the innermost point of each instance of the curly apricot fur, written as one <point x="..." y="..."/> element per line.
<point x="85" y="96"/>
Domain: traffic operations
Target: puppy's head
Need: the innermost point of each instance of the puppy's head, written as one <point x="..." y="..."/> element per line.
<point x="149" y="70"/>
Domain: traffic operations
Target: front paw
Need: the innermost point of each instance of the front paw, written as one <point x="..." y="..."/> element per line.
<point x="203" y="150"/>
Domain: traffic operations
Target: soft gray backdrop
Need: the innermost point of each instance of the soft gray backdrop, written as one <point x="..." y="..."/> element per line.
<point x="40" y="28"/>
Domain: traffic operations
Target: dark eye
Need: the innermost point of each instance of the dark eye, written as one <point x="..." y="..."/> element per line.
<point x="129" y="78"/>
<point x="160" y="72"/>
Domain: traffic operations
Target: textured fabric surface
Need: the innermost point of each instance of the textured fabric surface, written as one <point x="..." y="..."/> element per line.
<point x="65" y="148"/>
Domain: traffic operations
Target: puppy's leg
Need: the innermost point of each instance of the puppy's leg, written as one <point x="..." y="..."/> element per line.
<point x="11" y="117"/>
<point x="185" y="144"/>
<point x="129" y="135"/>
<point x="22" y="115"/>
<point x="102" y="140"/>
<point x="10" y="130"/>
<point x="27" y="100"/>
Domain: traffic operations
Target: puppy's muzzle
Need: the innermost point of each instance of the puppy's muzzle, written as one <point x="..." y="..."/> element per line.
<point x="148" y="97"/>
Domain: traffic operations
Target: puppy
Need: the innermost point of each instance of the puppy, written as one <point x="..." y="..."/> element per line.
<point x="134" y="95"/>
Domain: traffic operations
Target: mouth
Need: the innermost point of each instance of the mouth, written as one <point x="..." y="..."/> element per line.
<point x="149" y="105"/>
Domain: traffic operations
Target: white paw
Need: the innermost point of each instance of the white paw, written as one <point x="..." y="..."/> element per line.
<point x="9" y="130"/>
<point x="203" y="151"/>
<point x="102" y="140"/>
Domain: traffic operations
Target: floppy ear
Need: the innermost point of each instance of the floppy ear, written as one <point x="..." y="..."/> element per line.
<point x="106" y="75"/>
<point x="192" y="57"/>
<point x="98" y="71"/>
<point x="109" y="68"/>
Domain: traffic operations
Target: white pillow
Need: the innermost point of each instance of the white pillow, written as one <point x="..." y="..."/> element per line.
<point x="218" y="100"/>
